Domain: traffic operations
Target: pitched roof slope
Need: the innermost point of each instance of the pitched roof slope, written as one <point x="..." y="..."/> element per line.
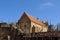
<point x="34" y="19"/>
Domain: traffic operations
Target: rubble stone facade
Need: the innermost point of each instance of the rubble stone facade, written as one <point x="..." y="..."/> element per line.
<point x="26" y="23"/>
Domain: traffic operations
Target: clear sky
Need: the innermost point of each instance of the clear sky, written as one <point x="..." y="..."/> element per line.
<point x="11" y="10"/>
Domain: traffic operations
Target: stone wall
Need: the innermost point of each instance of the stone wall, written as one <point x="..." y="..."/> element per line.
<point x="4" y="32"/>
<point x="24" y="24"/>
<point x="38" y="28"/>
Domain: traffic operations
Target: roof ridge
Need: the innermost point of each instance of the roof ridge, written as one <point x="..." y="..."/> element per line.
<point x="34" y="19"/>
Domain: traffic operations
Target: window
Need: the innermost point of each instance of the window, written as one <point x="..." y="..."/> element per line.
<point x="33" y="29"/>
<point x="39" y="28"/>
<point x="24" y="25"/>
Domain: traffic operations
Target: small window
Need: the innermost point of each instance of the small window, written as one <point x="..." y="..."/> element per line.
<point x="24" y="25"/>
<point x="39" y="28"/>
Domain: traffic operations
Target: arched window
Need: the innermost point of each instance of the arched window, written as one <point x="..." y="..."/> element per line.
<point x="33" y="29"/>
<point x="25" y="25"/>
<point x="25" y="28"/>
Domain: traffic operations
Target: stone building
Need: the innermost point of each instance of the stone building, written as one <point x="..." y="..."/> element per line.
<point x="4" y="31"/>
<point x="29" y="24"/>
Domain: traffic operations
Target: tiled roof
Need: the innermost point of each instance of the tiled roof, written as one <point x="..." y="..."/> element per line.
<point x="34" y="19"/>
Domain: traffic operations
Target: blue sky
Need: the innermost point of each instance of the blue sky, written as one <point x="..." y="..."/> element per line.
<point x="11" y="10"/>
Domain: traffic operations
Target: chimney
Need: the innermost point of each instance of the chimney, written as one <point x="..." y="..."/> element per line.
<point x="46" y="23"/>
<point x="37" y="18"/>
